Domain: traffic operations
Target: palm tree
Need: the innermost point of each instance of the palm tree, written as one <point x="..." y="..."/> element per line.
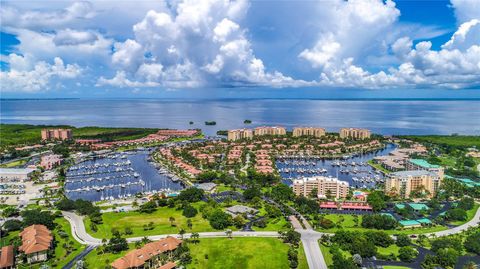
<point x="181" y="233"/>
<point x="195" y="237"/>
<point x="189" y="224"/>
<point x="229" y="233"/>
<point x="172" y="221"/>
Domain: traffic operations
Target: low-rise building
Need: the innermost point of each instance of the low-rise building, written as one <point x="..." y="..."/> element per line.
<point x="207" y="187"/>
<point x="325" y="186"/>
<point x="36" y="241"/>
<point x="241" y="209"/>
<point x="50" y="161"/>
<point x="308" y="131"/>
<point x="15" y="174"/>
<point x="402" y="183"/>
<point x="355" y="133"/>
<point x="7" y="257"/>
<point x="238" y="134"/>
<point x="270" y="130"/>
<point x="147" y="256"/>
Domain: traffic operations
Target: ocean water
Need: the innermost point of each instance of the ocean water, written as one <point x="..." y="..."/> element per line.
<point x="381" y="116"/>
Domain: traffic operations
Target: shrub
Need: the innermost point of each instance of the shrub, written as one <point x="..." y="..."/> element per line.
<point x="407" y="254"/>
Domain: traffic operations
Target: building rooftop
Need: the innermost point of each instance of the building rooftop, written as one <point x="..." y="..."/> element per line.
<point x="413" y="173"/>
<point x="240" y="209"/>
<point x="424" y="221"/>
<point x="16" y="171"/>
<point x="408" y="223"/>
<point x="418" y="207"/>
<point x="423" y="163"/>
<point x="6" y="257"/>
<point x="35" y="238"/>
<point x="206" y="186"/>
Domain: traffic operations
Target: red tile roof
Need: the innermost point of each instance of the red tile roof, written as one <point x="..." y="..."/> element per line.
<point x="35" y="238"/>
<point x="6" y="257"/>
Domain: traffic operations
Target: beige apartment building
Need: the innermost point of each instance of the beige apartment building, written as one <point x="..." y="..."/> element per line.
<point x="270" y="130"/>
<point x="60" y="134"/>
<point x="324" y="185"/>
<point x="308" y="131"/>
<point x="420" y="164"/>
<point x="403" y="183"/>
<point x="355" y="133"/>
<point x="240" y="134"/>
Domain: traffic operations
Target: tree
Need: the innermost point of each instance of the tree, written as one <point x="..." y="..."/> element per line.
<point x="379" y="238"/>
<point x="172" y="221"/>
<point x="148" y="207"/>
<point x="403" y="240"/>
<point x="239" y="221"/>
<point x="12" y="225"/>
<point x="313" y="193"/>
<point x="326" y="223"/>
<point x="207" y="176"/>
<point x="472" y="243"/>
<point x="229" y="233"/>
<point x="447" y="257"/>
<point x="189" y="224"/>
<point x="282" y="193"/>
<point x="189" y="211"/>
<point x="195" y="237"/>
<point x="117" y="243"/>
<point x="191" y="195"/>
<point x="36" y="216"/>
<point x="377" y="200"/>
<point x="377" y="221"/>
<point x="220" y="220"/>
<point x="65" y="205"/>
<point x="290" y="237"/>
<point x="357" y="259"/>
<point x="250" y="193"/>
<point x="470" y="265"/>
<point x="456" y="214"/>
<point x="466" y="203"/>
<point x="407" y="253"/>
<point x="182" y="233"/>
<point x="10" y="211"/>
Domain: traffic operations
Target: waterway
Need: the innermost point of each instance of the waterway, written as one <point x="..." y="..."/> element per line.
<point x="117" y="176"/>
<point x="360" y="175"/>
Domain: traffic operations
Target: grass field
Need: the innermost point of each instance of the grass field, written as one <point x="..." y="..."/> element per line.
<point x="15" y="163"/>
<point x="302" y="259"/>
<point x="19" y="134"/>
<point x="96" y="259"/>
<point x="239" y="253"/>
<point x="452" y="140"/>
<point x="328" y="256"/>
<point x="470" y="215"/>
<point x="389" y="250"/>
<point x="136" y="220"/>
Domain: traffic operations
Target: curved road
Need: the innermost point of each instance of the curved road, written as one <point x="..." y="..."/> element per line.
<point x="309" y="236"/>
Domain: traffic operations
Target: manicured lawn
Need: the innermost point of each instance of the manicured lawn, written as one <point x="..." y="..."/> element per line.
<point x="136" y="220"/>
<point x="96" y="259"/>
<point x="14" y="163"/>
<point x="378" y="166"/>
<point x="241" y="253"/>
<point x="273" y="225"/>
<point x="62" y="255"/>
<point x="302" y="259"/>
<point x="328" y="256"/>
<point x="389" y="250"/>
<point x="395" y="267"/>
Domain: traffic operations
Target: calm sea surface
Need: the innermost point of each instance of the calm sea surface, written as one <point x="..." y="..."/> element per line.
<point x="382" y="116"/>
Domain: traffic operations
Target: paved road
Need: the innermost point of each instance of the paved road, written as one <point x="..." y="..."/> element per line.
<point x="314" y="256"/>
<point x="475" y="221"/>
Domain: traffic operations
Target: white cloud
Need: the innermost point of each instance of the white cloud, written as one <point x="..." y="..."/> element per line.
<point x="194" y="43"/>
<point x="467" y="35"/>
<point x="24" y="76"/>
<point x="466" y="10"/>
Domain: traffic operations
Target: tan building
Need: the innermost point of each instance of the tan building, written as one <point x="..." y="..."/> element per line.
<point x="60" y="134"/>
<point x="324" y="185"/>
<point x="420" y="164"/>
<point x="308" y="131"/>
<point x="355" y="133"/>
<point x="36" y="241"/>
<point x="238" y="134"/>
<point x="270" y="130"/>
<point x="403" y="183"/>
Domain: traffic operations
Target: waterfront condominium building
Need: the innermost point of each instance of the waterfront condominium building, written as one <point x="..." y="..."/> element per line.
<point x="355" y="133"/>
<point x="270" y="130"/>
<point x="240" y="134"/>
<point x="60" y="134"/>
<point x="308" y="131"/>
<point x="420" y="164"/>
<point x="403" y="183"/>
<point x="324" y="186"/>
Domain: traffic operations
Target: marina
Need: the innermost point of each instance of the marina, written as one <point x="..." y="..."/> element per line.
<point x="116" y="175"/>
<point x="351" y="168"/>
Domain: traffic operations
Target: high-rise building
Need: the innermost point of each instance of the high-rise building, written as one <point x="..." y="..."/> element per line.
<point x="403" y="183"/>
<point x="355" y="133"/>
<point x="60" y="134"/>
<point x="308" y="131"/>
<point x="240" y="134"/>
<point x="270" y="130"/>
<point x="325" y="186"/>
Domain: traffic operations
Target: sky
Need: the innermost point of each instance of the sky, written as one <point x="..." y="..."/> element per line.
<point x="240" y="49"/>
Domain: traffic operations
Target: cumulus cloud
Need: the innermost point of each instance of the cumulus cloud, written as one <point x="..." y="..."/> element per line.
<point x="194" y="43"/>
<point x="26" y="76"/>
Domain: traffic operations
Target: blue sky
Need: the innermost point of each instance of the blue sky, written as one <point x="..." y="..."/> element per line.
<point x="210" y="49"/>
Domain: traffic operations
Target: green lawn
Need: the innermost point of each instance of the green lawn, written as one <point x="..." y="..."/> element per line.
<point x="239" y="252"/>
<point x="15" y="163"/>
<point x="349" y="224"/>
<point x="378" y="166"/>
<point x="395" y="267"/>
<point x="97" y="259"/>
<point x="328" y="256"/>
<point x="302" y="259"/>
<point x="136" y="220"/>
<point x="389" y="250"/>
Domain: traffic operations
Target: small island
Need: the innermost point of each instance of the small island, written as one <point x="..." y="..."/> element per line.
<point x="191" y="122"/>
<point x="210" y="123"/>
<point x="247" y="121"/>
